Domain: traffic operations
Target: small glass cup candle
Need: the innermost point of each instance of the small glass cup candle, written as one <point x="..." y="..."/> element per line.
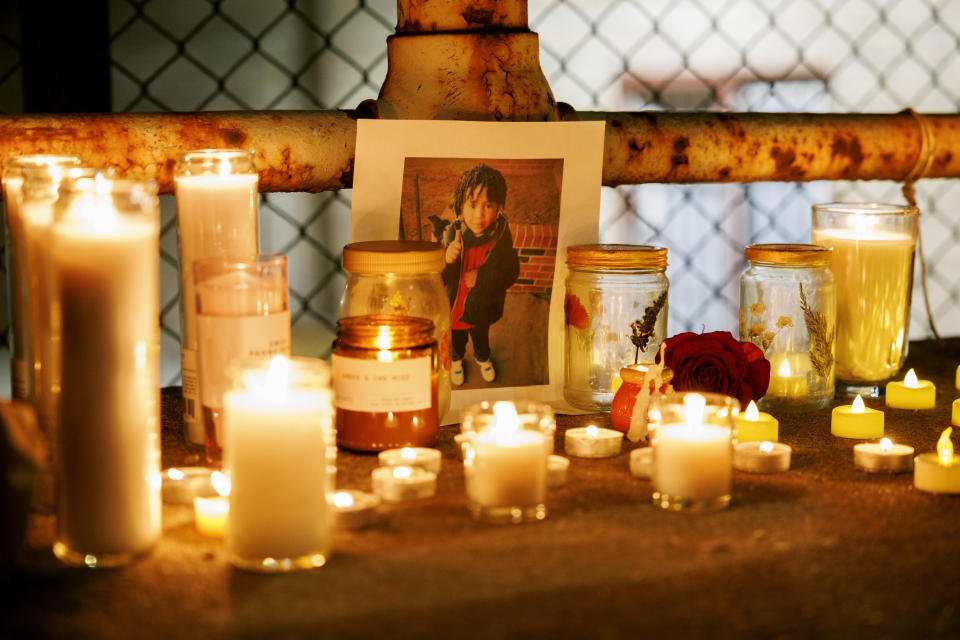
<point x="104" y="292"/>
<point x="242" y="312"/>
<point x="276" y="420"/>
<point x="216" y="196"/>
<point x="873" y="248"/>
<point x="911" y="393"/>
<point x="505" y="461"/>
<point x="883" y="457"/>
<point x="856" y="421"/>
<point x="692" y="451"/>
<point x="761" y="457"/>
<point x="754" y="425"/>
<point x="938" y="472"/>
<point x="210" y="512"/>
<point x="641" y="382"/>
<point x="788" y="305"/>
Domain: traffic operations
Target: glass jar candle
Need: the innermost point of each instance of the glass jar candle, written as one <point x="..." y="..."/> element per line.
<point x="615" y="312"/>
<point x="385" y="382"/>
<point x="788" y="304"/>
<point x="873" y="249"/>
<point x="401" y="278"/>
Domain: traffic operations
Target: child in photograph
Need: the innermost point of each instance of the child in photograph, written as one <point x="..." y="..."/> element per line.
<point x="481" y="264"/>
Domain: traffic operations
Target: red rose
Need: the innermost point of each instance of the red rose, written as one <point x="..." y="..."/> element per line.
<point x="717" y="362"/>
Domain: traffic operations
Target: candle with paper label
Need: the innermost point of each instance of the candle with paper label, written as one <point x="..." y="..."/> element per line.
<point x="754" y="425"/>
<point x="883" y="456"/>
<point x="856" y="421"/>
<point x="938" y="472"/>
<point x="911" y="393"/>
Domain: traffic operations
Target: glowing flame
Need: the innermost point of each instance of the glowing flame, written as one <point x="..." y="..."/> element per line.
<point x="278" y="375"/>
<point x="945" y="447"/>
<point x="752" y="413"/>
<point x="384" y="340"/>
<point x="910" y="380"/>
<point x="593" y="432"/>
<point x="220" y="482"/>
<point x="695" y="404"/>
<point x="342" y="500"/>
<point x="886" y="445"/>
<point x="384" y="355"/>
<point x="224" y="167"/>
<point x="506" y="414"/>
<point x="858" y="406"/>
<point x="765" y="447"/>
<point x="408" y="453"/>
<point x="175" y="474"/>
<point x="784" y="370"/>
<point x="402" y="473"/>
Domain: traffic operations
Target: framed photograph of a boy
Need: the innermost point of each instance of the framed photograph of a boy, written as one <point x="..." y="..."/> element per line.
<point x="504" y="200"/>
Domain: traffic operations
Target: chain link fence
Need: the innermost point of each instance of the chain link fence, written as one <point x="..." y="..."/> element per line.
<point x="739" y="55"/>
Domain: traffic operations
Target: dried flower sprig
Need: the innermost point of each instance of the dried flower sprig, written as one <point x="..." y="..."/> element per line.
<point x="821" y="337"/>
<point x="642" y="330"/>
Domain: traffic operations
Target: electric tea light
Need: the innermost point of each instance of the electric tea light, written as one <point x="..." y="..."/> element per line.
<point x="938" y="472"/>
<point x="754" y="425"/>
<point x="911" y="393"/>
<point x="856" y="421"/>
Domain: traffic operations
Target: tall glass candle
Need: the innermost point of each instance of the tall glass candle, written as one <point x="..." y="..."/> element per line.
<point x="242" y="312"/>
<point x="216" y="192"/>
<point x="16" y="263"/>
<point x="277" y="417"/>
<point x="104" y="248"/>
<point x="873" y="249"/>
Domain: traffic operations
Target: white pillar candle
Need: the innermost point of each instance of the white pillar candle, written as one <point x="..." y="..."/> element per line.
<point x="592" y="442"/>
<point x="423" y="457"/>
<point x="883" y="457"/>
<point x="641" y="462"/>
<point x="761" y="457"/>
<point x="399" y="484"/>
<point x="105" y="285"/>
<point x="557" y="471"/>
<point x="216" y="194"/>
<point x="354" y="509"/>
<point x="274" y="448"/>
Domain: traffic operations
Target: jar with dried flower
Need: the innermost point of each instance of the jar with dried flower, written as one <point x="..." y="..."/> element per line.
<point x="788" y="308"/>
<point x="615" y="312"/>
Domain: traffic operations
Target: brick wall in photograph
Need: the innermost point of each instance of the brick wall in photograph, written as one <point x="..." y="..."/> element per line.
<point x="536" y="245"/>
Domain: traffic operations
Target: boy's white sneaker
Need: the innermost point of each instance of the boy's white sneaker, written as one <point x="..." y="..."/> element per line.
<point x="486" y="370"/>
<point x="456" y="373"/>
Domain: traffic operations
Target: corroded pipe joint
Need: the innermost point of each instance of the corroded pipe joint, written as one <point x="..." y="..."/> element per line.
<point x="418" y="16"/>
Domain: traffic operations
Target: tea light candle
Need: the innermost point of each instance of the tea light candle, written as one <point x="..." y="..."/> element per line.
<point x="592" y="442"/>
<point x="856" y="421"/>
<point x="761" y="457"/>
<point x="182" y="484"/>
<point x="641" y="462"/>
<point x="398" y="484"/>
<point x="883" y="457"/>
<point x="557" y="471"/>
<point x="210" y="514"/>
<point x="354" y="509"/>
<point x="938" y="472"/>
<point x="788" y="375"/>
<point x="911" y="393"/>
<point x="955" y="413"/>
<point x="423" y="457"/>
<point x="755" y="425"/>
<point x="956" y="382"/>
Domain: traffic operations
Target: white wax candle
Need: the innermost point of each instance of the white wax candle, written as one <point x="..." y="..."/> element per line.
<point x="274" y="449"/>
<point x="557" y="471"/>
<point x="641" y="462"/>
<point x="761" y="457"/>
<point x="507" y="467"/>
<point x="883" y="457"/>
<point x="182" y="484"/>
<point x="592" y="442"/>
<point x="693" y="462"/>
<point x="398" y="484"/>
<point x="106" y="281"/>
<point x="217" y="216"/>
<point x="423" y="457"/>
<point x="354" y="509"/>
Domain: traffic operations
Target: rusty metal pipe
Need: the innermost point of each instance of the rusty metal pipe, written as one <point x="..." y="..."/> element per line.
<point x="313" y="150"/>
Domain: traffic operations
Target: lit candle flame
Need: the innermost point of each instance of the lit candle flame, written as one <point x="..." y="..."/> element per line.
<point x="220" y="482"/>
<point x="593" y="432"/>
<point x="278" y="377"/>
<point x="886" y="445"/>
<point x="175" y="474"/>
<point x="224" y="167"/>
<point x="752" y="413"/>
<point x="402" y="473"/>
<point x="384" y="340"/>
<point x="407" y="453"/>
<point x="784" y="370"/>
<point x="945" y="447"/>
<point x="858" y="406"/>
<point x="506" y="413"/>
<point x="342" y="499"/>
<point x="765" y="447"/>
<point x="695" y="404"/>
<point x="910" y="380"/>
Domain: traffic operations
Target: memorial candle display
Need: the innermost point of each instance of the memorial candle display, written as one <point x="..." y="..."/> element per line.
<point x="276" y="419"/>
<point x="242" y="312"/>
<point x="216" y="195"/>
<point x="15" y="246"/>
<point x="938" y="472"/>
<point x="873" y="249"/>
<point x="911" y="393"/>
<point x="505" y="463"/>
<point x="104" y="252"/>
<point x="692" y="458"/>
<point x="856" y="421"/>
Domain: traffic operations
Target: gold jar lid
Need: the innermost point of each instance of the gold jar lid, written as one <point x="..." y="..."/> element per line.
<point x="385" y="331"/>
<point x="789" y="253"/>
<point x="617" y="256"/>
<point x="393" y="256"/>
<point x="635" y="373"/>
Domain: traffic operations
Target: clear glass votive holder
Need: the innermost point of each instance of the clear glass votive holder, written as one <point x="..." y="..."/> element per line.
<point x="505" y="450"/>
<point x="277" y="418"/>
<point x="242" y="312"/>
<point x="873" y="249"/>
<point x="692" y="451"/>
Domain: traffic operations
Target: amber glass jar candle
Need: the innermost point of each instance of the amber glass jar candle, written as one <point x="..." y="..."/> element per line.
<point x="385" y="382"/>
